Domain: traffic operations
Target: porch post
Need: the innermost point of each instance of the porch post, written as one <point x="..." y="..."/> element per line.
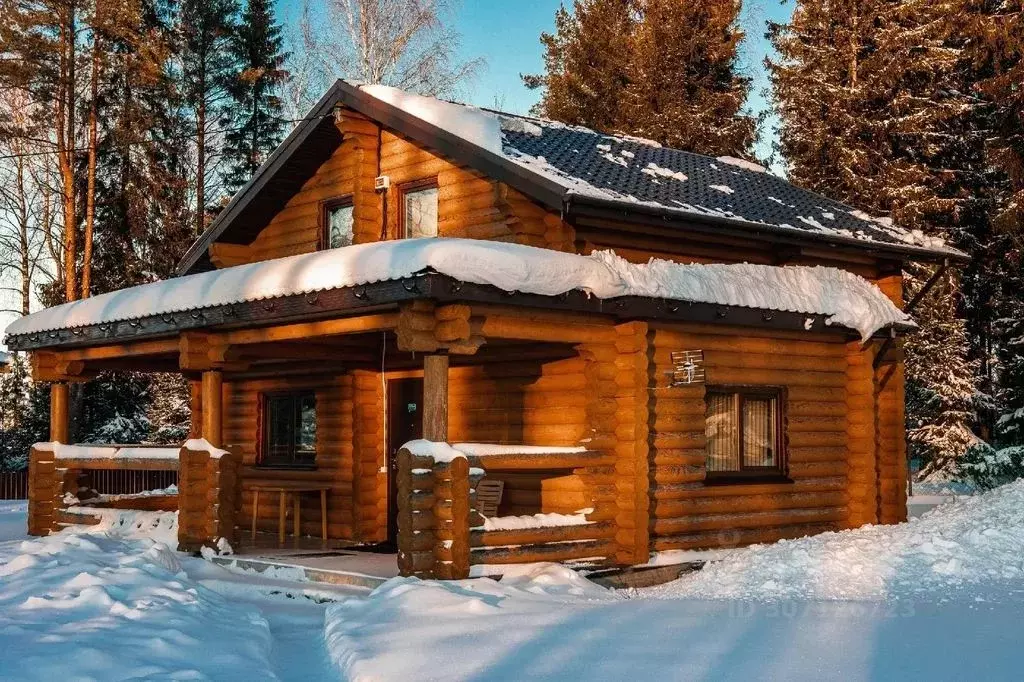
<point x="59" y="425"/>
<point x="435" y="397"/>
<point x="213" y="379"/>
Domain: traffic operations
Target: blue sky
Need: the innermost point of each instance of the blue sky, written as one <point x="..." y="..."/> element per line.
<point x="506" y="34"/>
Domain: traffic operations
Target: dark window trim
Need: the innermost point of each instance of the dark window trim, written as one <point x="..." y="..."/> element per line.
<point x="325" y="207"/>
<point x="753" y="474"/>
<point x="407" y="188"/>
<point x="263" y="429"/>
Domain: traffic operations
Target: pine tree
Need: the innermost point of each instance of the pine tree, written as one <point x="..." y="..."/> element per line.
<point x="996" y="52"/>
<point x="940" y="390"/>
<point x="142" y="221"/>
<point x="254" y="123"/>
<point x="586" y="64"/>
<point x="660" y="69"/>
<point x="683" y="88"/>
<point x="205" y="28"/>
<point x="877" y="110"/>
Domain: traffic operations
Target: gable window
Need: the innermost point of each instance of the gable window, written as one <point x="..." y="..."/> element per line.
<point x="289" y="429"/>
<point x="744" y="432"/>
<point x="338" y="222"/>
<point x="419" y="209"/>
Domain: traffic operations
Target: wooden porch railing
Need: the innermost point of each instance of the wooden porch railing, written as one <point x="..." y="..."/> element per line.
<point x="441" y="532"/>
<point x="207" y="499"/>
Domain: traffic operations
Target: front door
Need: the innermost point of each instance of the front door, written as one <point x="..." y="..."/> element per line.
<point x="405" y="423"/>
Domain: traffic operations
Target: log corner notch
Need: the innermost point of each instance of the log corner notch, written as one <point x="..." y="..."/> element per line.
<point x="423" y="326"/>
<point x="618" y="412"/>
<point x="209" y="498"/>
<point x="44" y="490"/>
<point x="436" y="506"/>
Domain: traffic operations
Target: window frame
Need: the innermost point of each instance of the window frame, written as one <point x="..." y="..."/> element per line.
<point x="408" y="188"/>
<point x="748" y="474"/>
<point x="345" y="200"/>
<point x="263" y="429"/>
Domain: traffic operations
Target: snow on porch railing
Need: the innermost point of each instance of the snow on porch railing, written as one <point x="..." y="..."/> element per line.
<point x="441" y="531"/>
<point x="207" y="497"/>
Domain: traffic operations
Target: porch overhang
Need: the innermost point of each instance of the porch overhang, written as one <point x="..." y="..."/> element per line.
<point x="428" y="285"/>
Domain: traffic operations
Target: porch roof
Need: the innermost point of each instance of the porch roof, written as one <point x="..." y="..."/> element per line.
<point x="367" y="276"/>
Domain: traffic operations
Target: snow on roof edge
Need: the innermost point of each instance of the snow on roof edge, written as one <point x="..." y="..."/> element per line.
<point x="845" y="298"/>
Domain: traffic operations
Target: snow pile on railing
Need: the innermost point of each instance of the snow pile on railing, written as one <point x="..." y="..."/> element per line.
<point x="443" y="452"/>
<point x="527" y="521"/>
<point x="65" y="451"/>
<point x="846" y="299"/>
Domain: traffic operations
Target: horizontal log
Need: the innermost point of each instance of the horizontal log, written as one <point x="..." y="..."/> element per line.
<point x="669" y="509"/>
<point x="532" y="536"/>
<point x="525" y="554"/>
<point x="733" y="522"/>
<point x="691" y="490"/>
<point x="714" y="539"/>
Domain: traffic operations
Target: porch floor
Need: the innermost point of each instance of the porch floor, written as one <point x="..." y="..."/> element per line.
<point x="331" y="561"/>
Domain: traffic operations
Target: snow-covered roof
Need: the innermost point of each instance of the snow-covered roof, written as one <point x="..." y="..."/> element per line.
<point x="565" y="167"/>
<point x="846" y="299"/>
<point x="639" y="172"/>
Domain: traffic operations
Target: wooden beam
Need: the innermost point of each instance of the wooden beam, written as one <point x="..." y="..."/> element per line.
<point x="435" y="397"/>
<point x="122" y="350"/>
<point x="302" y="330"/>
<point x="59" y="423"/>
<point x="212" y="402"/>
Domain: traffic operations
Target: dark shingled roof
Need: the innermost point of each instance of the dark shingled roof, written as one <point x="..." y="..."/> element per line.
<point x="581" y="173"/>
<point x="619" y="168"/>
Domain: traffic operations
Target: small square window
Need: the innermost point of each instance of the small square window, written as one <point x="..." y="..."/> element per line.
<point x="419" y="210"/>
<point x="744" y="432"/>
<point x="289" y="429"/>
<point x="338" y="223"/>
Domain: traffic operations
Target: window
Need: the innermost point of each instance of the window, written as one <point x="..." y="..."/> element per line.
<point x="337" y="223"/>
<point x="744" y="432"/>
<point x="289" y="429"/>
<point x="419" y="209"/>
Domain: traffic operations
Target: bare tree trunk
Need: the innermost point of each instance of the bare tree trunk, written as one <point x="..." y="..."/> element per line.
<point x="23" y="241"/>
<point x="201" y="160"/>
<point x="66" y="149"/>
<point x="90" y="196"/>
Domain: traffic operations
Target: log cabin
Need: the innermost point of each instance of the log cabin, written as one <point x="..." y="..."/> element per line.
<point x="631" y="348"/>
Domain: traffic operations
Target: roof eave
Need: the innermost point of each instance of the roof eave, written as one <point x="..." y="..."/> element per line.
<point x="364" y="298"/>
<point x="583" y="205"/>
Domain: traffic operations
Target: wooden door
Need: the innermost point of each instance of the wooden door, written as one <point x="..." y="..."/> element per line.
<point x="405" y="423"/>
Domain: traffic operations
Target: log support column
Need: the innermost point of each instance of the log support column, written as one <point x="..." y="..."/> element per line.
<point x="59" y="412"/>
<point x="212" y="383"/>
<point x="435" y="397"/>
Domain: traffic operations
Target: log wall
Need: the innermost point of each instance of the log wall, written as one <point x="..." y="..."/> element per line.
<point x="524" y="402"/>
<point x="469" y="204"/>
<point x="335" y="451"/>
<point x="688" y="512"/>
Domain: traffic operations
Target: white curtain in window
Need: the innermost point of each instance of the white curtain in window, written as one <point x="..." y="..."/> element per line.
<point x="721" y="426"/>
<point x="421" y="213"/>
<point x="759" y="432"/>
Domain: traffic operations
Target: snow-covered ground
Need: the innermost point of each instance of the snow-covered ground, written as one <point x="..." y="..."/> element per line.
<point x="940" y="597"/>
<point x="110" y="603"/>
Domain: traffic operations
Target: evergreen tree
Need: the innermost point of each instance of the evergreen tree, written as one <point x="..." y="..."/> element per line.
<point x="996" y="53"/>
<point x="940" y="387"/>
<point x="683" y="88"/>
<point x="661" y="69"/>
<point x="14" y="387"/>
<point x="254" y="122"/>
<point x="586" y="64"/>
<point x="876" y="110"/>
<point x="205" y="28"/>
<point x="142" y="221"/>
